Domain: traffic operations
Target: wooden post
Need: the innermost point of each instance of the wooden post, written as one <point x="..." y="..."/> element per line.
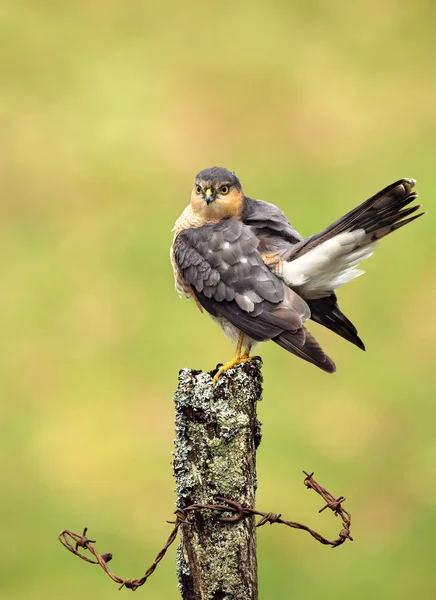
<point x="217" y="434"/>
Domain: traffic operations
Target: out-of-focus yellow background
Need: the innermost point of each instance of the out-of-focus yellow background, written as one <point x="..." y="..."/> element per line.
<point x="107" y="111"/>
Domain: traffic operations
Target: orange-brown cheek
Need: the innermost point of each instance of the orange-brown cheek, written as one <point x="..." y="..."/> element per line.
<point x="231" y="205"/>
<point x="226" y="206"/>
<point x="197" y="202"/>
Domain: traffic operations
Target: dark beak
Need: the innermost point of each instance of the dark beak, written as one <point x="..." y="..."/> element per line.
<point x="209" y="197"/>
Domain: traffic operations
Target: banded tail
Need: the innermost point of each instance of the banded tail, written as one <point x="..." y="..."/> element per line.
<point x="325" y="261"/>
<point x="320" y="264"/>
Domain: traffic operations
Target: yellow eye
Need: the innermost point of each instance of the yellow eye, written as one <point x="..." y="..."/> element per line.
<point x="197" y="189"/>
<point x="224" y="190"/>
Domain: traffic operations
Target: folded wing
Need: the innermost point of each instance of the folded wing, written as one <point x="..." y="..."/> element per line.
<point x="222" y="265"/>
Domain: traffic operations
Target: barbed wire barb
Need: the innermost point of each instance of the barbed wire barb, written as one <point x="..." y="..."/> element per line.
<point x="73" y="541"/>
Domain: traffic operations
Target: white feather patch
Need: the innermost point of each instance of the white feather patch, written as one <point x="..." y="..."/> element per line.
<point x="245" y="303"/>
<point x="328" y="266"/>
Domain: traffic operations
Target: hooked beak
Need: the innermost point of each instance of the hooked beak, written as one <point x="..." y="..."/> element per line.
<point x="209" y="197"/>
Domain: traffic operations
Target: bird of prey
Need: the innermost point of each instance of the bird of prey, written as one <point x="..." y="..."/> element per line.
<point x="242" y="261"/>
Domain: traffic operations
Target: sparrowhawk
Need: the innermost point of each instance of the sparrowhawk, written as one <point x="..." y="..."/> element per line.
<point x="259" y="279"/>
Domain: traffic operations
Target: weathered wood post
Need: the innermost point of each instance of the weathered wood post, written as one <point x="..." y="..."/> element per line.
<point x="217" y="434"/>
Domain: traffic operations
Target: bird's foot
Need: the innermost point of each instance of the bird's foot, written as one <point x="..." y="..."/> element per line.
<point x="246" y="357"/>
<point x="236" y="360"/>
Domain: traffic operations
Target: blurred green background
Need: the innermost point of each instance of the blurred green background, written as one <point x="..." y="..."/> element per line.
<point x="107" y="111"/>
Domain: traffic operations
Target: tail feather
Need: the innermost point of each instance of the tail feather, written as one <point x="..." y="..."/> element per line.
<point x="310" y="350"/>
<point x="324" y="262"/>
<point x="326" y="312"/>
<point x="381" y="230"/>
<point x="378" y="216"/>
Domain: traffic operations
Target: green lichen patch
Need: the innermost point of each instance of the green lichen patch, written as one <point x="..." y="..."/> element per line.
<point x="217" y="433"/>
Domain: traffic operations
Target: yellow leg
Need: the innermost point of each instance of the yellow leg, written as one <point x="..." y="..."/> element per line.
<point x="236" y="360"/>
<point x="246" y="356"/>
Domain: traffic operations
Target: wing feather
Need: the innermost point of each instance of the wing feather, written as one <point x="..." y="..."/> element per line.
<point x="222" y="265"/>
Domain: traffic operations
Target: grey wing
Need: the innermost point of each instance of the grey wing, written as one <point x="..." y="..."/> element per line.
<point x="271" y="226"/>
<point x="222" y="265"/>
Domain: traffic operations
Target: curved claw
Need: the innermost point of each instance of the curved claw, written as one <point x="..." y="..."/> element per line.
<point x="227" y="366"/>
<point x="236" y="360"/>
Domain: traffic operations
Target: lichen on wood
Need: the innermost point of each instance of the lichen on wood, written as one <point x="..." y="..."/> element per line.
<point x="217" y="434"/>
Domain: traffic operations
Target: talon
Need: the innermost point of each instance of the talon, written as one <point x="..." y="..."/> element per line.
<point x="226" y="367"/>
<point x="247" y="358"/>
<point x="236" y="360"/>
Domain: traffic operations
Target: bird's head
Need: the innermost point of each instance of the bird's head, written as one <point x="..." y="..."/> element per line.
<point x="217" y="194"/>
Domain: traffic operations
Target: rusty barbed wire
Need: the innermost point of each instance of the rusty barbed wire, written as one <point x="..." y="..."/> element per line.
<point x="228" y="506"/>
